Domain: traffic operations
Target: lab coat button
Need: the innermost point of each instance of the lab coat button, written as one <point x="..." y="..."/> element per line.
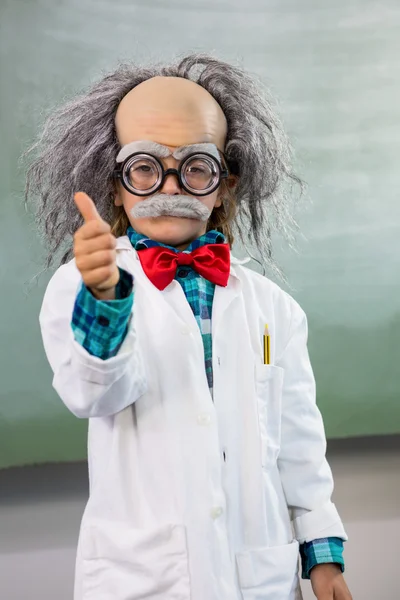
<point x="216" y="512"/>
<point x="185" y="330"/>
<point x="204" y="419"/>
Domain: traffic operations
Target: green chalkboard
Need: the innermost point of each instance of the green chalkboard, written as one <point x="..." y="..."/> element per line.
<point x="335" y="68"/>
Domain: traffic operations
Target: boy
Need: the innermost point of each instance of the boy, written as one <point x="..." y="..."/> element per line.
<point x="205" y="453"/>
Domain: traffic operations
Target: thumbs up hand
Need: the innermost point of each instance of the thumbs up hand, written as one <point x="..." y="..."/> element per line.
<point x="94" y="250"/>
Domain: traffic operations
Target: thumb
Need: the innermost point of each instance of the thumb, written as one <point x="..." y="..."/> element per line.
<point x="86" y="207"/>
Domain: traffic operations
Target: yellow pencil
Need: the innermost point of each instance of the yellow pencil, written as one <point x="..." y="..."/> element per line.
<point x="267" y="354"/>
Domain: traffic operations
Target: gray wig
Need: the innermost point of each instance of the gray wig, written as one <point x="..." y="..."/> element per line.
<point x="78" y="148"/>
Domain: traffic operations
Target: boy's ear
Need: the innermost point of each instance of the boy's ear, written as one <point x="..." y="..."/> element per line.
<point x="117" y="196"/>
<point x="232" y="181"/>
<point x="229" y="185"/>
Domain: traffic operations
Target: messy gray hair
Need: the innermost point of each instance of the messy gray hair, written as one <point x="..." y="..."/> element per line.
<point x="79" y="145"/>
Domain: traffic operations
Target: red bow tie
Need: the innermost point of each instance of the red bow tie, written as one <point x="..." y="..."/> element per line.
<point x="211" y="261"/>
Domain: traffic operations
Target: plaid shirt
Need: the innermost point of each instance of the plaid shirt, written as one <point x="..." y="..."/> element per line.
<point x="199" y="292"/>
<point x="101" y="326"/>
<point x="317" y="552"/>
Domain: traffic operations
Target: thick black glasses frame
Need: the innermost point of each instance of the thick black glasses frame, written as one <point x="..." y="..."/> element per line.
<point x="119" y="174"/>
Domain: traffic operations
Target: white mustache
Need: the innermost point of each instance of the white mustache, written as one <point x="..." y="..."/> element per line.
<point x="178" y="205"/>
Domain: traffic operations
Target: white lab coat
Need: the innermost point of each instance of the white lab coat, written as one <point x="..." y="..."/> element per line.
<point x="190" y="498"/>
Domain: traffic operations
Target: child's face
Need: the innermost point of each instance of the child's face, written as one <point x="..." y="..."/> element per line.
<point x="173" y="112"/>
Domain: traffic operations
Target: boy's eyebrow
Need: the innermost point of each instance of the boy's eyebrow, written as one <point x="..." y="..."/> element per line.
<point x="146" y="146"/>
<point x="183" y="151"/>
<point x="161" y="151"/>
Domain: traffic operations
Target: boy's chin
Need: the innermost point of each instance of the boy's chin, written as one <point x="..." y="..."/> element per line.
<point x="173" y="231"/>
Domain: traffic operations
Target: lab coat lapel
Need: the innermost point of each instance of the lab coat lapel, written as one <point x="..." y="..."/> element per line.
<point x="224" y="296"/>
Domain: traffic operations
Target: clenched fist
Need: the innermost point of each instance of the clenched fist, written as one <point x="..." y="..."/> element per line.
<point x="94" y="250"/>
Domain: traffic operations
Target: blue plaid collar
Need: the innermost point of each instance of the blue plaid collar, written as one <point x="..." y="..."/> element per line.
<point x="139" y="242"/>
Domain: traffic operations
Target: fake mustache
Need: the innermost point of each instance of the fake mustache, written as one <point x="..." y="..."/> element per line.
<point x="161" y="205"/>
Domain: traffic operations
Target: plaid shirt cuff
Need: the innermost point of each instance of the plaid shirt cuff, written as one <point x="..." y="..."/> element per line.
<point x="100" y="326"/>
<point x="318" y="552"/>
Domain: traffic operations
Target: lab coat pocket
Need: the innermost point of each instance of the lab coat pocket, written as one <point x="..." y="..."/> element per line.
<point x="120" y="563"/>
<point x="269" y="573"/>
<point x="269" y="381"/>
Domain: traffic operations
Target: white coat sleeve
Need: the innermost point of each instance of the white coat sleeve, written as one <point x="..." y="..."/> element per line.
<point x="88" y="386"/>
<point x="305" y="474"/>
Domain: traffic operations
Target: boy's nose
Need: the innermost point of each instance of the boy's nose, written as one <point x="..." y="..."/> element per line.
<point x="171" y="185"/>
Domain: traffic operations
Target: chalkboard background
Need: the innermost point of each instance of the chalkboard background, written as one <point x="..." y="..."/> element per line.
<point x="335" y="69"/>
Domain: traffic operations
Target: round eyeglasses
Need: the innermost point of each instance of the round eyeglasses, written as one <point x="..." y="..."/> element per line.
<point x="199" y="174"/>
